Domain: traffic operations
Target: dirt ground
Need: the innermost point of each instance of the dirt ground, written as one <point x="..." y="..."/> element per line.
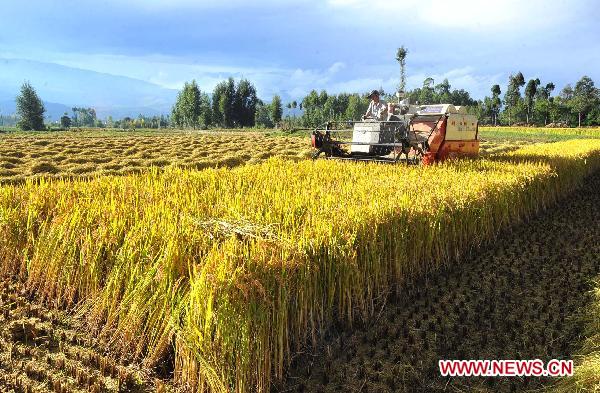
<point x="46" y="351"/>
<point x="519" y="299"/>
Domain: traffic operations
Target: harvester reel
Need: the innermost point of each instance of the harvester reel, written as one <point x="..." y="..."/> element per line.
<point x="325" y="145"/>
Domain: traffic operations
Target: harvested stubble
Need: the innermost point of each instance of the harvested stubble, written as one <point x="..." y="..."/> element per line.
<point x="234" y="270"/>
<point x="81" y="155"/>
<point x="586" y="377"/>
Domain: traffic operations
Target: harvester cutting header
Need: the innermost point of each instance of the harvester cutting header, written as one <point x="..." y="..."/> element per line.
<point x="401" y="132"/>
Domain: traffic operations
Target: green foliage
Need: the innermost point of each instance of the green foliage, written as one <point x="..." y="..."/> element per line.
<point x="442" y="91"/>
<point x="357" y="106"/>
<point x="276" y="109"/>
<point x="427" y="93"/>
<point x="571" y="107"/>
<point x="530" y="92"/>
<point x="84" y="117"/>
<point x="65" y="121"/>
<point x="495" y="103"/>
<point x="512" y="98"/>
<point x="585" y="97"/>
<point x="268" y="115"/>
<point x="313" y="109"/>
<point x="30" y="109"/>
<point x="262" y="115"/>
<point x="401" y="59"/>
<point x="192" y="108"/>
<point x="245" y="103"/>
<point x="439" y="94"/>
<point x="460" y="97"/>
<point x="234" y="105"/>
<point x="226" y="103"/>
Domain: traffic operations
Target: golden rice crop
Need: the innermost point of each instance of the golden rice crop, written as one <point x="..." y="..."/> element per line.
<point x="587" y="132"/>
<point x="238" y="268"/>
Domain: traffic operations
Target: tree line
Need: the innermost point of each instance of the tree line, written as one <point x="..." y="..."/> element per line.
<point x="573" y="106"/>
<point x="236" y="105"/>
<point x="231" y="105"/>
<point x="320" y="107"/>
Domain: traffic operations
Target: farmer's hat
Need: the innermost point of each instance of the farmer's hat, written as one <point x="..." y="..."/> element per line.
<point x="373" y="93"/>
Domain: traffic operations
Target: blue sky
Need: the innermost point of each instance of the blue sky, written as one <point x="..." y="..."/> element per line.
<point x="291" y="47"/>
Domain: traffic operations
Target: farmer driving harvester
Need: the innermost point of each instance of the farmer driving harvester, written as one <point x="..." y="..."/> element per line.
<point x="377" y="110"/>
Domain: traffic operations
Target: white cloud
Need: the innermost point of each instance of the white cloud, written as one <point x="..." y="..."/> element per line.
<point x="172" y="72"/>
<point x="363" y="85"/>
<point x="471" y="15"/>
<point x="467" y="78"/>
<point x="210" y="4"/>
<point x="336" y="67"/>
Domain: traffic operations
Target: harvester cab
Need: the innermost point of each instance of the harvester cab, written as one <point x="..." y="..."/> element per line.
<point x="412" y="134"/>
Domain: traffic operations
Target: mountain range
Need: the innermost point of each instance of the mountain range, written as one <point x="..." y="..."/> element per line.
<point x="62" y="88"/>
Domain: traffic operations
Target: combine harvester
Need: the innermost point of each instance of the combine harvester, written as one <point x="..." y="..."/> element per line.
<point x="412" y="134"/>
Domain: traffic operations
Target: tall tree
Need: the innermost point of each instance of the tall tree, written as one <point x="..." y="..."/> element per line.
<point x="461" y="97"/>
<point x="30" y="109"/>
<point x="205" y="119"/>
<point x="530" y="92"/>
<point x="65" y="121"/>
<point x="567" y="92"/>
<point x="401" y="59"/>
<point x="218" y="92"/>
<point x="585" y="97"/>
<point x="496" y="103"/>
<point x="245" y="103"/>
<point x="84" y="117"/>
<point x="262" y="116"/>
<point x="188" y="110"/>
<point x="313" y="109"/>
<point x="427" y="93"/>
<point x="276" y="109"/>
<point x="356" y="107"/>
<point x="544" y="102"/>
<point x="512" y="97"/>
<point x="564" y="103"/>
<point x="227" y="104"/>
<point x="442" y="92"/>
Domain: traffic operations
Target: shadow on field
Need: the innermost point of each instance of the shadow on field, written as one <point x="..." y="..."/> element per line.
<point x="517" y="298"/>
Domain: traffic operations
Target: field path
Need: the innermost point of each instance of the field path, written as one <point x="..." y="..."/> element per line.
<point x="517" y="299"/>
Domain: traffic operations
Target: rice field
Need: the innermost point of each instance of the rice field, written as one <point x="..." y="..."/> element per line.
<point x="92" y="152"/>
<point x="538" y="133"/>
<point x="215" y="280"/>
<point x="520" y="297"/>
